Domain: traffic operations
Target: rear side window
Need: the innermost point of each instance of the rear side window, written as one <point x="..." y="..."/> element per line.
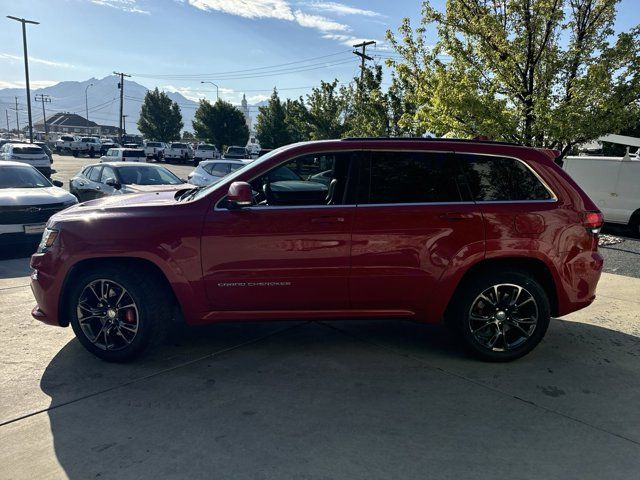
<point x="217" y="169"/>
<point x="500" y="179"/>
<point x="412" y="177"/>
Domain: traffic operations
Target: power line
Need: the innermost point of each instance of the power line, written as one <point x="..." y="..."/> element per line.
<point x="231" y="72"/>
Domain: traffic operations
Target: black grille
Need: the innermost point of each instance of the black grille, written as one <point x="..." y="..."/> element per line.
<point x="29" y="213"/>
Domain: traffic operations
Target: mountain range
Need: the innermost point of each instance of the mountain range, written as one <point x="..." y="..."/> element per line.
<point x="103" y="102"/>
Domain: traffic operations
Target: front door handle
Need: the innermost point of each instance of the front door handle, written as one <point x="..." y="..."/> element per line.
<point x="81" y="184"/>
<point x="456" y="216"/>
<point x="98" y="187"/>
<point x="326" y="220"/>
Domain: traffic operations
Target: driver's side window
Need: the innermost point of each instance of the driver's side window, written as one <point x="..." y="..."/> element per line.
<point x="317" y="179"/>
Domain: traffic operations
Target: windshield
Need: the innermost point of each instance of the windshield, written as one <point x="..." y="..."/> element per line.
<point x="236" y="151"/>
<point x="203" y="192"/>
<point x="133" y="153"/>
<point x="153" y="144"/>
<point x="178" y="145"/>
<point x="147" y="175"/>
<point x="22" y="177"/>
<point x="28" y="150"/>
<point x="205" y="147"/>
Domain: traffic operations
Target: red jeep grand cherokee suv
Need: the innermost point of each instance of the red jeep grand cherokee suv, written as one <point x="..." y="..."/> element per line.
<point x="493" y="238"/>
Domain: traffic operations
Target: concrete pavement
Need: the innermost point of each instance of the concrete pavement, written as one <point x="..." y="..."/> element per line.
<point x="307" y="400"/>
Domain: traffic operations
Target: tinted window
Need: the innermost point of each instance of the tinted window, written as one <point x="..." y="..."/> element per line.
<point x="28" y="150"/>
<point x="217" y="169"/>
<point x="413" y="177"/>
<point x="501" y="179"/>
<point x="94" y="174"/>
<point x="133" y="153"/>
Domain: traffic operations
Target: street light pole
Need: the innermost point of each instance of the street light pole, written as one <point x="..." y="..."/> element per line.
<point x="217" y="97"/>
<point x="86" y="102"/>
<point x="26" y="67"/>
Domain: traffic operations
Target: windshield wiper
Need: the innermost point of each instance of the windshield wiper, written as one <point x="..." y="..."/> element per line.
<point x="189" y="193"/>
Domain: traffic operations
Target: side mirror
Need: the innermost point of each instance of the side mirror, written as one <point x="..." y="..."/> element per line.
<point x="57" y="183"/>
<point x="112" y="182"/>
<point x="239" y="195"/>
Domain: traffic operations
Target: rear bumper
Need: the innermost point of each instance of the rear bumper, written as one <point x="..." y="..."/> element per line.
<point x="579" y="274"/>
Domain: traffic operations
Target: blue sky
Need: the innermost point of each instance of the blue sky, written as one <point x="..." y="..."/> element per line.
<point x="174" y="44"/>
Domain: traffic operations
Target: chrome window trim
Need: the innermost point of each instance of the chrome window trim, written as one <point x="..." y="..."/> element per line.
<point x="554" y="198"/>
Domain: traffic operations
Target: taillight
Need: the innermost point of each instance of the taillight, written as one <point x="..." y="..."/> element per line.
<point x="593" y="221"/>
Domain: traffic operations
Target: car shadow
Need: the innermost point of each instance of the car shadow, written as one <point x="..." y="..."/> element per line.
<point x="22" y="249"/>
<point x="357" y="399"/>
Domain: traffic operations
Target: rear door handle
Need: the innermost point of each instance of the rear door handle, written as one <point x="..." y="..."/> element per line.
<point x="326" y="220"/>
<point x="456" y="216"/>
<point x="81" y="184"/>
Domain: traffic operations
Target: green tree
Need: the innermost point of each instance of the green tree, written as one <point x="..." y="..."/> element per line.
<point x="271" y="126"/>
<point x="221" y="124"/>
<point x="366" y="106"/>
<point x="160" y="117"/>
<point x="546" y="73"/>
<point x="297" y="120"/>
<point x="326" y="111"/>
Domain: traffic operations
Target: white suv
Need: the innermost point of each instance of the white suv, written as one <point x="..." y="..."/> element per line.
<point x="27" y="153"/>
<point x="124" y="155"/>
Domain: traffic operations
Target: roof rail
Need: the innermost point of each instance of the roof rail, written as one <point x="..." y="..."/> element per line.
<point x="423" y="139"/>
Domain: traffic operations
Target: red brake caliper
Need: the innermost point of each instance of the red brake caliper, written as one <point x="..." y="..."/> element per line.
<point x="130" y="315"/>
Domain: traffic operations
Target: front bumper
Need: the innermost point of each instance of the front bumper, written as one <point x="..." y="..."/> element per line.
<point x="46" y="289"/>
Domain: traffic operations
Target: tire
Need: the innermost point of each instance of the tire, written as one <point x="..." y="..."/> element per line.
<point x="634" y="224"/>
<point x="92" y="153"/>
<point x="493" y="327"/>
<point x="147" y="310"/>
<point x="74" y="153"/>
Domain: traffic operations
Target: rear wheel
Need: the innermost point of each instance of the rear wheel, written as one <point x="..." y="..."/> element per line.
<point x="500" y="316"/>
<point x="117" y="315"/>
<point x="634" y="224"/>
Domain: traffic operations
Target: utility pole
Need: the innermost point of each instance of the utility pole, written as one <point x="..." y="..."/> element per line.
<point x="363" y="56"/>
<point x="7" y="114"/>
<point x="17" y="121"/>
<point x="121" y="87"/>
<point x="40" y="97"/>
<point x="124" y="123"/>
<point x="26" y="67"/>
<point x="86" y="102"/>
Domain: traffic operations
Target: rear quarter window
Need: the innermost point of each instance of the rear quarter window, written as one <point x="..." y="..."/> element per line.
<point x="500" y="179"/>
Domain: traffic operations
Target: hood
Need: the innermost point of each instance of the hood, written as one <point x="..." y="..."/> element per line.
<point x="33" y="196"/>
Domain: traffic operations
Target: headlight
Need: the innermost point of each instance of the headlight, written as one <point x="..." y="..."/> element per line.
<point x="48" y="238"/>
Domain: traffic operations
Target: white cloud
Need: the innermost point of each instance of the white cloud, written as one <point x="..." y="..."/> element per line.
<point x="279" y="9"/>
<point x="350" y="40"/>
<point x="130" y="6"/>
<point x="258" y="98"/>
<point x="49" y="63"/>
<point x="318" y="22"/>
<point x="341" y="9"/>
<point x="34" y="84"/>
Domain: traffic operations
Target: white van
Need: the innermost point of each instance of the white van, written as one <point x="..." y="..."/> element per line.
<point x="613" y="183"/>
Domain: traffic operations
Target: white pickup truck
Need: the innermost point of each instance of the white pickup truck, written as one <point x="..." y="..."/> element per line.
<point x="154" y="150"/>
<point x="86" y="146"/>
<point x="181" y="152"/>
<point x="64" y="143"/>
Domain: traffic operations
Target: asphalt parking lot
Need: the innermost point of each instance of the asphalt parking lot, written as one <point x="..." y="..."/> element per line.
<point x="321" y="400"/>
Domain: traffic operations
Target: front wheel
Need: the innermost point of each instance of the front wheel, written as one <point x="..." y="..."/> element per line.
<point x="500" y="316"/>
<point x="117" y="313"/>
